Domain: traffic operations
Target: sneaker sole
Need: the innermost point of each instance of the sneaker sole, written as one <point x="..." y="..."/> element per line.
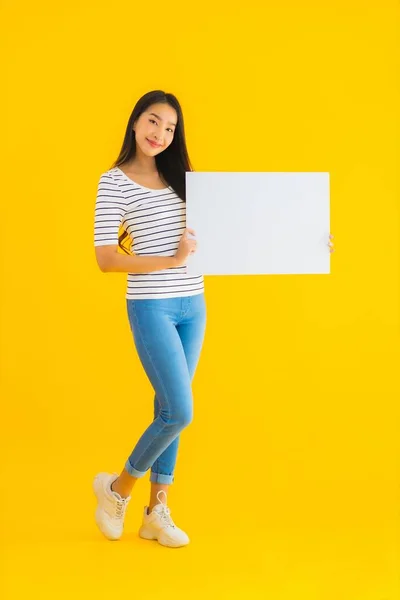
<point x="148" y="535"/>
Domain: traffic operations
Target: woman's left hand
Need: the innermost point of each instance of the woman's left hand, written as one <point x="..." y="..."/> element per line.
<point x="330" y="244"/>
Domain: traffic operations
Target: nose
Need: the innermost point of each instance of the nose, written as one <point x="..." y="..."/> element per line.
<point x="158" y="136"/>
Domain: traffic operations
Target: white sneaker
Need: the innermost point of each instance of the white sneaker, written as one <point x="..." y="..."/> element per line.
<point x="158" y="525"/>
<point x="111" y="507"/>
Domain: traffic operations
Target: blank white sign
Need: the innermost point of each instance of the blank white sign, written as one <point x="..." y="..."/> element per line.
<point x="258" y="223"/>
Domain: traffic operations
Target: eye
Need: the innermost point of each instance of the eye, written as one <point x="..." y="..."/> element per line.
<point x="153" y="121"/>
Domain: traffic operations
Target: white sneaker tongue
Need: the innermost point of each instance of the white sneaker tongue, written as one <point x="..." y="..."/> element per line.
<point x="118" y="496"/>
<point x="159" y="508"/>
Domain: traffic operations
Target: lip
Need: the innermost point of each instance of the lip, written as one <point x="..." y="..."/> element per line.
<point x="153" y="145"/>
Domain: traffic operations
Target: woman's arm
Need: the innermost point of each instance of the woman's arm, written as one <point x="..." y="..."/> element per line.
<point x="111" y="261"/>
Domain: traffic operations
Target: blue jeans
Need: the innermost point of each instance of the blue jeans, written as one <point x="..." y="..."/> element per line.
<point x="168" y="334"/>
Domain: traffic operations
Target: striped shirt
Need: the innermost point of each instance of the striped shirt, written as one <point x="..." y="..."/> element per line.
<point x="155" y="221"/>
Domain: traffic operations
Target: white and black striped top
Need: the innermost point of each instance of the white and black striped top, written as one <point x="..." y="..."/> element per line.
<point x="155" y="220"/>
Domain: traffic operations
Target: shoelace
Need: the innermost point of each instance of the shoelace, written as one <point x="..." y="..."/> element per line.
<point x="120" y="507"/>
<point x="165" y="516"/>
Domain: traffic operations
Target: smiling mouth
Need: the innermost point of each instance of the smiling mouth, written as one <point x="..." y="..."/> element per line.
<point x="153" y="145"/>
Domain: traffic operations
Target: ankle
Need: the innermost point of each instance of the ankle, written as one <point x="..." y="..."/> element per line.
<point x="114" y="488"/>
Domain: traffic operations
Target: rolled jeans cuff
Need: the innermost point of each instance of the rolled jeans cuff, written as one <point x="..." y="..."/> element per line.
<point x="161" y="478"/>
<point x="132" y="471"/>
<point x="154" y="477"/>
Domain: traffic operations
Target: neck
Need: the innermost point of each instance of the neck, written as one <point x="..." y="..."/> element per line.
<point x="143" y="164"/>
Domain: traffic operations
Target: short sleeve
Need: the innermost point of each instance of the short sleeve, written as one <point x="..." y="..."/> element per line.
<point x="110" y="209"/>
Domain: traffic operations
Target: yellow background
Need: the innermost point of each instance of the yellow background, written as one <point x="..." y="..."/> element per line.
<point x="287" y="481"/>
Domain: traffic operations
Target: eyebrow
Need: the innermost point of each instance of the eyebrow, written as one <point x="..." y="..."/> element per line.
<point x="169" y="123"/>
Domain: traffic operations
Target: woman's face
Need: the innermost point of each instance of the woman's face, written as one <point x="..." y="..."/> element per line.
<point x="157" y="124"/>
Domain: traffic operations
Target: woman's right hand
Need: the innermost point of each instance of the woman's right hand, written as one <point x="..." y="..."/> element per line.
<point x="186" y="247"/>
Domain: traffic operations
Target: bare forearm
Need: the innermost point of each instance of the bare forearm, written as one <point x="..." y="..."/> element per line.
<point x="121" y="263"/>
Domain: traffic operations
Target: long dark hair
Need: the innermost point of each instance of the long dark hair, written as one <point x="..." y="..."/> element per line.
<point x="173" y="162"/>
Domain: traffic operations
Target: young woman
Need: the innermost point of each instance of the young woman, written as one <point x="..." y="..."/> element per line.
<point x="143" y="193"/>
